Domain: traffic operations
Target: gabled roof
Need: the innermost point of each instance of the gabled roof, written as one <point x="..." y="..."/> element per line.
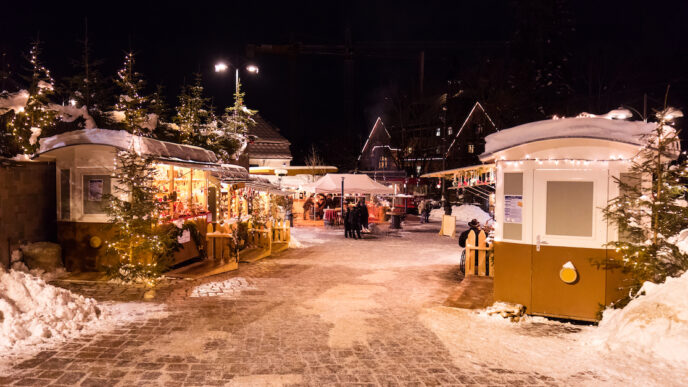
<point x="265" y="131"/>
<point x="378" y="124"/>
<point x="476" y="106"/>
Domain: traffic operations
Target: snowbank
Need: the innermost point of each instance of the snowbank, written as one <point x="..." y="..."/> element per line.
<point x="655" y="323"/>
<point x="32" y="311"/>
<point x="681" y="241"/>
<point x="464" y="214"/>
<point x="13" y="101"/>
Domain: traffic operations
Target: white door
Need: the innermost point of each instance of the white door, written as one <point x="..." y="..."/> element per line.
<point x="567" y="208"/>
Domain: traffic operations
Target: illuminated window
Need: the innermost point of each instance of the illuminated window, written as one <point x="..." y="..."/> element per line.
<point x="471" y="148"/>
<point x="439" y="132"/>
<point x="449" y="131"/>
<point x="418" y="169"/>
<point x="382" y="162"/>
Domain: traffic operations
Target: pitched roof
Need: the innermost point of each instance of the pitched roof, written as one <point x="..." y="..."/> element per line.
<point x="265" y="131"/>
<point x="476" y="106"/>
<point x="378" y="124"/>
<point x="269" y="150"/>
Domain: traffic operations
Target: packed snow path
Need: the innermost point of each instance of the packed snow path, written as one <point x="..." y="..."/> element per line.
<point x="334" y="311"/>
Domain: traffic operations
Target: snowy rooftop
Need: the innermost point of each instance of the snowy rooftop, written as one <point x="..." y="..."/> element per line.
<point x="629" y="132"/>
<point x="161" y="150"/>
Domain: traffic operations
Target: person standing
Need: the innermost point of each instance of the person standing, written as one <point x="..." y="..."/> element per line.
<point x="363" y="209"/>
<point x="473" y="227"/>
<point x="307" y="205"/>
<point x="356" y="224"/>
<point x="347" y="223"/>
<point x="421" y="211"/>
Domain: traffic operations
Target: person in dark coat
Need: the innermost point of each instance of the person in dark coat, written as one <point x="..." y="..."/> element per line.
<point x="356" y="222"/>
<point x="348" y="223"/>
<point x="307" y="205"/>
<point x="364" y="213"/>
<point x="473" y="227"/>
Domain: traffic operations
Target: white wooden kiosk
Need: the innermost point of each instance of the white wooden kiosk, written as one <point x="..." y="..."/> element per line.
<point x="553" y="178"/>
<point x="85" y="160"/>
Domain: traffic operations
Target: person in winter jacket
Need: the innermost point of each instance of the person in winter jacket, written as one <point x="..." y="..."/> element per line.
<point x="363" y="210"/>
<point x="307" y="205"/>
<point x="473" y="227"/>
<point x="349" y="222"/>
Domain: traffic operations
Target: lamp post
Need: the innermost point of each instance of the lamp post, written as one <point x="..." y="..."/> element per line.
<point x="221" y="67"/>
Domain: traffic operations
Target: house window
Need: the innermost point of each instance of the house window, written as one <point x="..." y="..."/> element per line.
<point x="471" y="148"/>
<point x="439" y="132"/>
<point x="418" y="169"/>
<point x="480" y="128"/>
<point x="449" y="131"/>
<point x="382" y="162"/>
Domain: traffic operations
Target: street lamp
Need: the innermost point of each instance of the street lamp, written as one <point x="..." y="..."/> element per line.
<point x="221" y="67"/>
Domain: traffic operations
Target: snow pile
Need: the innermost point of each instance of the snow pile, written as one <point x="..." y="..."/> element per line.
<point x="69" y="113"/>
<point x="32" y="311"/>
<point x="655" y="323"/>
<point x="294" y="243"/>
<point x="505" y="310"/>
<point x="681" y="241"/>
<point x="464" y="214"/>
<point x="13" y="101"/>
<point x="228" y="288"/>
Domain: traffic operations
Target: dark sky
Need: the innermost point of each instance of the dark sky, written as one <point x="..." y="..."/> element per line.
<point x="172" y="42"/>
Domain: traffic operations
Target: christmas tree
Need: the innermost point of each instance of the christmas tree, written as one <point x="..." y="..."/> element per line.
<point x="131" y="103"/>
<point x="140" y="245"/>
<point x="28" y="123"/>
<point x="231" y="137"/>
<point x="192" y="113"/>
<point x="651" y="210"/>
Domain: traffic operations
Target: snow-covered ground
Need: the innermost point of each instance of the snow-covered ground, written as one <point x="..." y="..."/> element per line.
<point x="464" y="214"/>
<point x="35" y="315"/>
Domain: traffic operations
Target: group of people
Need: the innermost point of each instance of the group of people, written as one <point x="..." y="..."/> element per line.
<point x="424" y="209"/>
<point x="315" y="208"/>
<point x="355" y="218"/>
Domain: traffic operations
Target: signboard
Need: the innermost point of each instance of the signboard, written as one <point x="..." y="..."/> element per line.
<point x="513" y="209"/>
<point x="185" y="237"/>
<point x="95" y="190"/>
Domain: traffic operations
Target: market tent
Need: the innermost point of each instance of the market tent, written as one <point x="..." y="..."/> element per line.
<point x="353" y="184"/>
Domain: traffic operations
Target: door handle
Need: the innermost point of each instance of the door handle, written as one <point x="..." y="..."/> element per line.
<point x="539" y="242"/>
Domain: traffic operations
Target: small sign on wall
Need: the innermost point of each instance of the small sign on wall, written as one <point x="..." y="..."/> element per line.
<point x="513" y="209"/>
<point x="185" y="237"/>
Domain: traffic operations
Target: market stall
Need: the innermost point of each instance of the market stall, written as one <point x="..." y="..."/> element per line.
<point x="553" y="178"/>
<point x="187" y="177"/>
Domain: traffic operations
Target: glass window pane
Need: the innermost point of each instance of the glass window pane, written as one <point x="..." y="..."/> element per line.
<point x="569" y="208"/>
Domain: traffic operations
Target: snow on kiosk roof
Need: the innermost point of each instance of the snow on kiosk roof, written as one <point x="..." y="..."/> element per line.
<point x="587" y="127"/>
<point x="353" y="184"/>
<point x="161" y="150"/>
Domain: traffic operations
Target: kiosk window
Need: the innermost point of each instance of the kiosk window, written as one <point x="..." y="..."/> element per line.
<point x="569" y="208"/>
<point x="513" y="206"/>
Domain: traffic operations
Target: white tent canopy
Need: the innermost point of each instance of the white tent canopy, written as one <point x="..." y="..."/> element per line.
<point x="353" y="184"/>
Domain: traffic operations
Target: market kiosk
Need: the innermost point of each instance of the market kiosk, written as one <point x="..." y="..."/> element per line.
<point x="188" y="177"/>
<point x="553" y="179"/>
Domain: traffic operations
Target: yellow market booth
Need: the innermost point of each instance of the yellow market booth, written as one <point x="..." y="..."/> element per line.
<point x="553" y="179"/>
<point x="188" y="178"/>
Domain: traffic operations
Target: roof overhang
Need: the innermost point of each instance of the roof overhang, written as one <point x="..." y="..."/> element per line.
<point x="450" y="173"/>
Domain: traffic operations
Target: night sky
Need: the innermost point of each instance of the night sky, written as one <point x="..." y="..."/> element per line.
<point x="636" y="48"/>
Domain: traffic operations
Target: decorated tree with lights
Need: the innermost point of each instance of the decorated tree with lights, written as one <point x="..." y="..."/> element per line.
<point x="192" y="113"/>
<point x="29" y="122"/>
<point x="141" y="248"/>
<point x="131" y="103"/>
<point x="651" y="210"/>
<point x="230" y="138"/>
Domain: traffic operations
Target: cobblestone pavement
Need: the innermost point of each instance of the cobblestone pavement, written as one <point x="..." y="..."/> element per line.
<point x="336" y="312"/>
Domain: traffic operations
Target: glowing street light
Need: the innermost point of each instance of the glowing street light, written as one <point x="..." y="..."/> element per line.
<point x="220" y="67"/>
<point x="252" y="69"/>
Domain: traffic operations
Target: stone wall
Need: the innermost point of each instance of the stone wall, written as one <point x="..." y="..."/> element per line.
<point x="27" y="204"/>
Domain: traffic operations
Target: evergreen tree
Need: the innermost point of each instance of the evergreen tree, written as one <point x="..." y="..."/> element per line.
<point x="231" y="137"/>
<point x="140" y="245"/>
<point x="27" y="125"/>
<point x="650" y="210"/>
<point x="192" y="113"/>
<point x="131" y="102"/>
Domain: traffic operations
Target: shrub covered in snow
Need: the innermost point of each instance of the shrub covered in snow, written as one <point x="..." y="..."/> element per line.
<point x="464" y="214"/>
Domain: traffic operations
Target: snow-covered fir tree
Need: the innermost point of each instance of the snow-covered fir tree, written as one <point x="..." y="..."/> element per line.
<point x="231" y="137"/>
<point x="651" y="210"/>
<point x="192" y="113"/>
<point x="32" y="120"/>
<point x="141" y="248"/>
<point x="132" y="105"/>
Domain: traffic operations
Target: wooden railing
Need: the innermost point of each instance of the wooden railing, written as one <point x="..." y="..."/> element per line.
<point x="281" y="232"/>
<point x="221" y="245"/>
<point x="478" y="257"/>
